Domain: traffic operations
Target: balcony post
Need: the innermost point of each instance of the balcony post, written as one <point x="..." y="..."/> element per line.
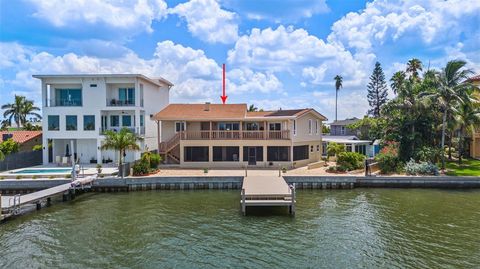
<point x="264" y="130"/>
<point x="210" y="131"/>
<point x="241" y="130"/>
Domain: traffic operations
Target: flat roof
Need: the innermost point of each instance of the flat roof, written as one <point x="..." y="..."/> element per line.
<point x="344" y="140"/>
<point x="152" y="80"/>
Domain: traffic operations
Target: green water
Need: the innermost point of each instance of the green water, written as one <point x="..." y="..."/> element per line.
<point x="361" y="228"/>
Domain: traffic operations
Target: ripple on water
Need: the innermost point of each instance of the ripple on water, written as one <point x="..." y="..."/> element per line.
<point x="185" y="229"/>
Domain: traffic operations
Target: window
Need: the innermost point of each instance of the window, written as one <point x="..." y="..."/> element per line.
<point x="294" y="127"/>
<point x="88" y="122"/>
<point x="126" y="96"/>
<point x="258" y="153"/>
<point x="311" y="148"/>
<point x="252" y="126"/>
<point x="278" y="154"/>
<point x="142" y="120"/>
<point x="309" y="126"/>
<point x="225" y="154"/>
<point x="229" y="126"/>
<point x="348" y="147"/>
<point x="126" y="120"/>
<point x="318" y="148"/>
<point x="114" y="120"/>
<point x="71" y="122"/>
<point x="196" y="154"/>
<point x="300" y="152"/>
<point x="141" y="95"/>
<point x="179" y="126"/>
<point x="324" y="148"/>
<point x="93" y="85"/>
<point x="68" y="97"/>
<point x="316" y="127"/>
<point x="362" y="149"/>
<point x="342" y="130"/>
<point x="275" y="126"/>
<point x="53" y="123"/>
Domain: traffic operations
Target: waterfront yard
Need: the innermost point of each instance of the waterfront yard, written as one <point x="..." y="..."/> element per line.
<point x="469" y="167"/>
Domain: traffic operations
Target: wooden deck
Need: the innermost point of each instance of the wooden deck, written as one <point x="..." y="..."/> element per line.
<point x="11" y="204"/>
<point x="267" y="191"/>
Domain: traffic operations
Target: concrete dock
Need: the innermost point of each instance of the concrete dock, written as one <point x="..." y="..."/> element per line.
<point x="267" y="191"/>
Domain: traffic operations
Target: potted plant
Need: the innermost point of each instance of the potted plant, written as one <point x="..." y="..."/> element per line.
<point x="99" y="168"/>
<point x="205" y="170"/>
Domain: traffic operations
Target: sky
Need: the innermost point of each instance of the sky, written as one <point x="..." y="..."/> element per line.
<point x="279" y="54"/>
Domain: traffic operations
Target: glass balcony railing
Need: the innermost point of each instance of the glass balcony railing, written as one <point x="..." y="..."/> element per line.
<point x="118" y="102"/>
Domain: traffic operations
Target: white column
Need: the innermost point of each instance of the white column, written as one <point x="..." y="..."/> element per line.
<point x="45" y="151"/>
<point x="99" y="151"/>
<point x="137" y="121"/>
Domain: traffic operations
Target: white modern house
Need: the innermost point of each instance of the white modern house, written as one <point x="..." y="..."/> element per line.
<point x="78" y="109"/>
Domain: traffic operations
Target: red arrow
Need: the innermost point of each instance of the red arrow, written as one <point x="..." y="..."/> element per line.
<point x="223" y="97"/>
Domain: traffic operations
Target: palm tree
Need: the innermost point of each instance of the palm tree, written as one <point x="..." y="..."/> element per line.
<point x="338" y="84"/>
<point x="122" y="141"/>
<point x="19" y="110"/>
<point x="413" y="66"/>
<point x="252" y="108"/>
<point x="452" y="87"/>
<point x="398" y="80"/>
<point x="467" y="117"/>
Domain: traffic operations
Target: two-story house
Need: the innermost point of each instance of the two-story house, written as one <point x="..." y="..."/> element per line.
<point x="217" y="135"/>
<point x="80" y="108"/>
<point x="341" y="134"/>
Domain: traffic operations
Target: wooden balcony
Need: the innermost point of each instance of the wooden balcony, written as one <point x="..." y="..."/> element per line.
<point x="235" y="135"/>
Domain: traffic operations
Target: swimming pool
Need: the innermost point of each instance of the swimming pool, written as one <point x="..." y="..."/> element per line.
<point x="43" y="171"/>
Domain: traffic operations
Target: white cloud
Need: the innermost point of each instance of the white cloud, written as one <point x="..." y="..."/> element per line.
<point x="427" y="21"/>
<point x="208" y="21"/>
<point x="283" y="11"/>
<point x="245" y="80"/>
<point x="129" y="14"/>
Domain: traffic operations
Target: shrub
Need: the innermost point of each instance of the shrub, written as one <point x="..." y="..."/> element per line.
<point x="51" y="177"/>
<point x="68" y="176"/>
<point x="34" y="177"/>
<point x="428" y="154"/>
<point x="336" y="169"/>
<point x="140" y="168"/>
<point x="155" y="160"/>
<point x="422" y="168"/>
<point x="18" y="177"/>
<point x="9" y="146"/>
<point x="37" y="147"/>
<point x="388" y="160"/>
<point x="205" y="170"/>
<point x="350" y="160"/>
<point x="334" y="149"/>
<point x="284" y="170"/>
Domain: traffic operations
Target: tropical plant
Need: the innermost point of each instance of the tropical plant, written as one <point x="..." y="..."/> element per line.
<point x="413" y="66"/>
<point x="334" y="149"/>
<point x="452" y="86"/>
<point x="2" y="156"/>
<point x="19" y="110"/>
<point x="121" y="141"/>
<point x="37" y="147"/>
<point x="422" y="168"/>
<point x="377" y="91"/>
<point x="350" y="160"/>
<point x="387" y="159"/>
<point x="252" y="108"/>
<point x="9" y="146"/>
<point x="398" y="80"/>
<point x="338" y="85"/>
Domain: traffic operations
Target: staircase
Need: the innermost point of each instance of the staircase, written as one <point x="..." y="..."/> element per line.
<point x="166" y="148"/>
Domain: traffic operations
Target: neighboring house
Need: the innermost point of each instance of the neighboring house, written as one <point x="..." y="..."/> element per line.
<point x="216" y="135"/>
<point x="339" y="127"/>
<point x="26" y="139"/>
<point x="475" y="144"/>
<point x="351" y="143"/>
<point x="341" y="134"/>
<point x="80" y="108"/>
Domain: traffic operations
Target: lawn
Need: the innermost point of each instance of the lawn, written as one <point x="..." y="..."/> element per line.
<point x="469" y="167"/>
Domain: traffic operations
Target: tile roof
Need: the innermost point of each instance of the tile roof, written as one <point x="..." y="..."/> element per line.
<point x="21" y="136"/>
<point x="198" y="112"/>
<point x="220" y="111"/>
<point x="475" y="78"/>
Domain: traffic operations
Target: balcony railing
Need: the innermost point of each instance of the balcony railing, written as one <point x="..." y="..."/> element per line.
<point x="235" y="135"/>
<point x="136" y="130"/>
<point x="63" y="102"/>
<point x="117" y="102"/>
